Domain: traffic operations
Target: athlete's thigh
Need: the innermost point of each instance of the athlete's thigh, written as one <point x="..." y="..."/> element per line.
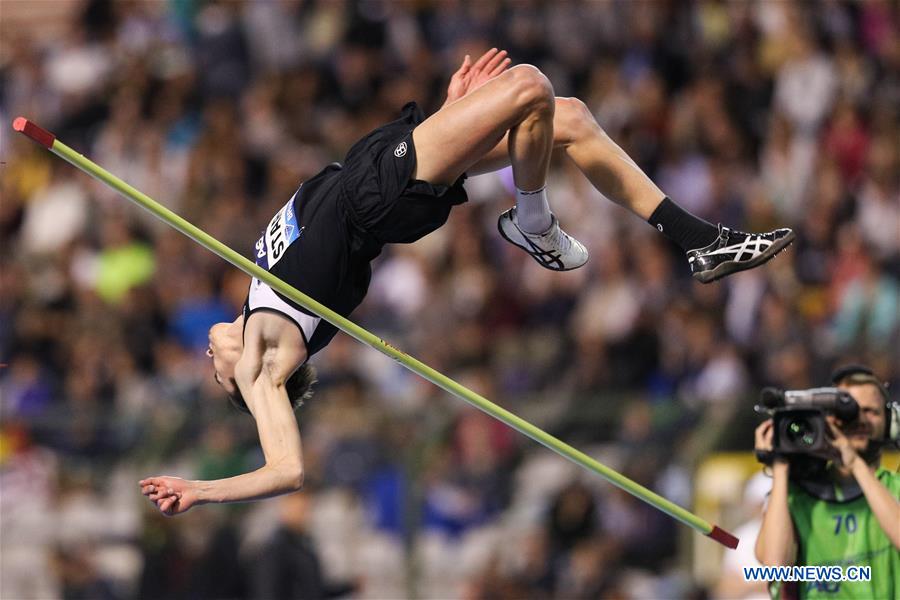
<point x="460" y="134"/>
<point x="493" y="160"/>
<point x="570" y="118"/>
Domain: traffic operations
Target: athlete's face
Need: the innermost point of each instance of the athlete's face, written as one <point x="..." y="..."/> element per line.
<point x="224" y="352"/>
<point x="871" y="422"/>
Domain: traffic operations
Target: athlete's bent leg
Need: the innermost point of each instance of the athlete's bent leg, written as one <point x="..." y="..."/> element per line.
<point x="713" y="252"/>
<point x="456" y="137"/>
<point x="604" y="163"/>
<point x="518" y="106"/>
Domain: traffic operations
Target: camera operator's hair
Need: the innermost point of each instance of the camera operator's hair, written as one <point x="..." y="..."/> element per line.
<point x="863" y="378"/>
<point x="298" y="386"/>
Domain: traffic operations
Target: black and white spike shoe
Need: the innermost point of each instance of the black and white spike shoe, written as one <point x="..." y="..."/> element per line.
<point x="735" y="251"/>
<point x="554" y="249"/>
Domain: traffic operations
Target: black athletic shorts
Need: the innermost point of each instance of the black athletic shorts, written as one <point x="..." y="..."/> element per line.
<point x="323" y="240"/>
<point x="385" y="202"/>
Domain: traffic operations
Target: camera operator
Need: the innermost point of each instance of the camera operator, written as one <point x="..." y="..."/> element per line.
<point x="847" y="512"/>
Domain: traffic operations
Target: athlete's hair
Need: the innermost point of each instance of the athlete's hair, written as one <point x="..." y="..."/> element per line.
<point x="298" y="386"/>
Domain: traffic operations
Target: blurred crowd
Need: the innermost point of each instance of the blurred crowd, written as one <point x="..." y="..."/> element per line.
<point x="754" y="114"/>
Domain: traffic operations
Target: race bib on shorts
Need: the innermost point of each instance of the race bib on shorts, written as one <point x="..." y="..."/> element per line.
<point x="281" y="232"/>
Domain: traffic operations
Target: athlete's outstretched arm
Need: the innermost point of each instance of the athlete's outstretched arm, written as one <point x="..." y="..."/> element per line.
<point x="273" y="348"/>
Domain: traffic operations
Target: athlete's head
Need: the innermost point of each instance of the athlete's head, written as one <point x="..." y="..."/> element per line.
<point x="225" y="348"/>
<point x="867" y="432"/>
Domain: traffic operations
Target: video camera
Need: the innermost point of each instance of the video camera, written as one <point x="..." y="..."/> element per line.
<point x="801" y="434"/>
<point x="798" y="418"/>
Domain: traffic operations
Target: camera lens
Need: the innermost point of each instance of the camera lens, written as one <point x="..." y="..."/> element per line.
<point x="801" y="433"/>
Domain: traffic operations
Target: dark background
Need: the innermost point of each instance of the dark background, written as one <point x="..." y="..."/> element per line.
<point x="753" y="114"/>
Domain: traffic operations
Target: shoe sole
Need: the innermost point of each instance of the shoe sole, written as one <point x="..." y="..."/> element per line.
<point x="733" y="266"/>
<point x="528" y="251"/>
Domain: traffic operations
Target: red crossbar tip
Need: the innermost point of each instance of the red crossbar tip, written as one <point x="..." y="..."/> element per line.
<point x="723" y="537"/>
<point x="35" y="132"/>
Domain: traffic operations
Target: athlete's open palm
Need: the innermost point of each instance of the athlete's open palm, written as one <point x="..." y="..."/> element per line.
<point x="172" y="495"/>
<point x="470" y="76"/>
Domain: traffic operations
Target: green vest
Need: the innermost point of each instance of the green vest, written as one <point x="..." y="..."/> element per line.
<point x="845" y="534"/>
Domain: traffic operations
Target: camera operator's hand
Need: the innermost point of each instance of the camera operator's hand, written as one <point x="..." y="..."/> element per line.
<point x="839" y="442"/>
<point x="764" y="444"/>
<point x="764" y="436"/>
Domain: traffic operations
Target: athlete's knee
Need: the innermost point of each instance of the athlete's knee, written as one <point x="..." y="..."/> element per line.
<point x="532" y="91"/>
<point x="573" y="119"/>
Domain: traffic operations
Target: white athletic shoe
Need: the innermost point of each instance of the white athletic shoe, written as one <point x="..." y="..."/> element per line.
<point x="554" y="249"/>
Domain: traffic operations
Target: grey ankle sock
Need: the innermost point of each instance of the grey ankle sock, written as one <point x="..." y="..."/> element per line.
<point x="533" y="211"/>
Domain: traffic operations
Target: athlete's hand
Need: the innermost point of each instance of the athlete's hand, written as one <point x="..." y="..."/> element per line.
<point x="839" y="442"/>
<point x="470" y="77"/>
<point x="172" y="495"/>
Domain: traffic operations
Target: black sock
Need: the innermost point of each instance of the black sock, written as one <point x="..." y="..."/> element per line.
<point x="682" y="227"/>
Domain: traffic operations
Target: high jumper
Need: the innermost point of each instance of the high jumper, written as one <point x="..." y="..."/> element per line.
<point x="396" y="185"/>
